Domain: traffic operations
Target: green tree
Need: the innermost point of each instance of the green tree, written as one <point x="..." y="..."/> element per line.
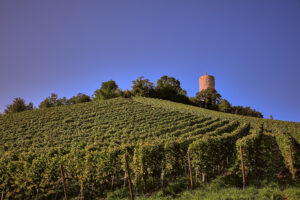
<point x="142" y="87"/>
<point x="208" y="98"/>
<point x="247" y="111"/>
<point x="53" y="101"/>
<point x="79" y="98"/>
<point x="126" y="94"/>
<point x="170" y="85"/>
<point x="18" y="105"/>
<point x="30" y="106"/>
<point x="108" y="90"/>
<point x="169" y="88"/>
<point x="224" y="106"/>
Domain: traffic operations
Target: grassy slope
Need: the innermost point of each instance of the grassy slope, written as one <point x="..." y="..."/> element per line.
<point x="201" y="111"/>
<point x="103" y="122"/>
<point x="292" y="127"/>
<point x="98" y="125"/>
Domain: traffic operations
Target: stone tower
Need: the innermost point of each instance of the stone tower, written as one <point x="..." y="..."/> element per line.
<point x="206" y="81"/>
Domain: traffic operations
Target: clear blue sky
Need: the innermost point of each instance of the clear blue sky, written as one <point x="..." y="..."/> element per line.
<point x="251" y="47"/>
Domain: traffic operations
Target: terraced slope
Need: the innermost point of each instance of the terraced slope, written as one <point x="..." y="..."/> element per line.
<point x="90" y="139"/>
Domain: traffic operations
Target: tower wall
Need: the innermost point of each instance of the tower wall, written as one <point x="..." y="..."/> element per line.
<point x="206" y="81"/>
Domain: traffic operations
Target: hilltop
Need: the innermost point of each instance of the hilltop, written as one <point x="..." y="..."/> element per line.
<point x="90" y="139"/>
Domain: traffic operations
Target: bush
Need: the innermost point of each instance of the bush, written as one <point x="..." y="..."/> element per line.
<point x="18" y="105"/>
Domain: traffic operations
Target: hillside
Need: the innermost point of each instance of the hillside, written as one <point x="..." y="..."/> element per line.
<point x="90" y="140"/>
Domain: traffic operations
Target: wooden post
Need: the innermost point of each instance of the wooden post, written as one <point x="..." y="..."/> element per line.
<point x="37" y="193"/>
<point x="125" y="177"/>
<point x="243" y="168"/>
<point x="190" y="168"/>
<point x="291" y="157"/>
<point x="63" y="180"/>
<point x="2" y="195"/>
<point x="81" y="191"/>
<point x="162" y="176"/>
<point x="129" y="179"/>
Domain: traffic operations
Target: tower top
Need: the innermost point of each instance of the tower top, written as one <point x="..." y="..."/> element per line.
<point x="206" y="81"/>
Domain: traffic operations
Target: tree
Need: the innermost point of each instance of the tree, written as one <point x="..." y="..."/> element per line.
<point x="80" y="98"/>
<point x="108" y="90"/>
<point x="142" y="87"/>
<point x="169" y="88"/>
<point x="30" y="106"/>
<point x="247" y="111"/>
<point x="224" y="106"/>
<point x="53" y="101"/>
<point x="170" y="85"/>
<point x="208" y="98"/>
<point x="45" y="103"/>
<point x="18" y="105"/>
<point x="126" y="94"/>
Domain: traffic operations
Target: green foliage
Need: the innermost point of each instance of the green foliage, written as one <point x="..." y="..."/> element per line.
<point x="90" y="140"/>
<point x="247" y="111"/>
<point x="53" y="101"/>
<point x="224" y="106"/>
<point x="286" y="147"/>
<point x="18" y="105"/>
<point x="251" y="147"/>
<point x="218" y="190"/>
<point x="169" y="88"/>
<point x="292" y="193"/>
<point x="122" y="193"/>
<point x="208" y="98"/>
<point x="126" y="94"/>
<point x="210" y="151"/>
<point x="108" y="90"/>
<point x="175" y="158"/>
<point x="147" y="161"/>
<point x="79" y="98"/>
<point x="169" y="85"/>
<point x="142" y="87"/>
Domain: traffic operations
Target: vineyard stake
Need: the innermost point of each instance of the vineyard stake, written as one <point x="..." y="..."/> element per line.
<point x="162" y="175"/>
<point x="37" y="193"/>
<point x="129" y="179"/>
<point x="203" y="178"/>
<point x="243" y="168"/>
<point x="63" y="179"/>
<point x="291" y="157"/>
<point x="191" y="175"/>
<point x="2" y="195"/>
<point x="124" y="184"/>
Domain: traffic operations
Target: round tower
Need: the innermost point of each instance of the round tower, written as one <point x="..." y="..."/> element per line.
<point x="206" y="81"/>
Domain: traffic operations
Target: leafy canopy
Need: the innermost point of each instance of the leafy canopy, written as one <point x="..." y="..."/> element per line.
<point x="142" y="87"/>
<point x="108" y="90"/>
<point x="18" y="105"/>
<point x="170" y="85"/>
<point x="224" y="106"/>
<point x="80" y="98"/>
<point x="208" y="98"/>
<point x="53" y="101"/>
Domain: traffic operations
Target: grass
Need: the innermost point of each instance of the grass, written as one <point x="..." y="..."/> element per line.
<point x="217" y="189"/>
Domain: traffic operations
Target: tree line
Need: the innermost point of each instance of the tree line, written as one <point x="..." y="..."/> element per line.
<point x="168" y="88"/>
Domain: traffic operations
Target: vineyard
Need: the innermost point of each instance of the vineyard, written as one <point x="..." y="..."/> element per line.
<point x="161" y="141"/>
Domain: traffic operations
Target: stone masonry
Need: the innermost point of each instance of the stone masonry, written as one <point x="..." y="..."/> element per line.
<point x="206" y="81"/>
